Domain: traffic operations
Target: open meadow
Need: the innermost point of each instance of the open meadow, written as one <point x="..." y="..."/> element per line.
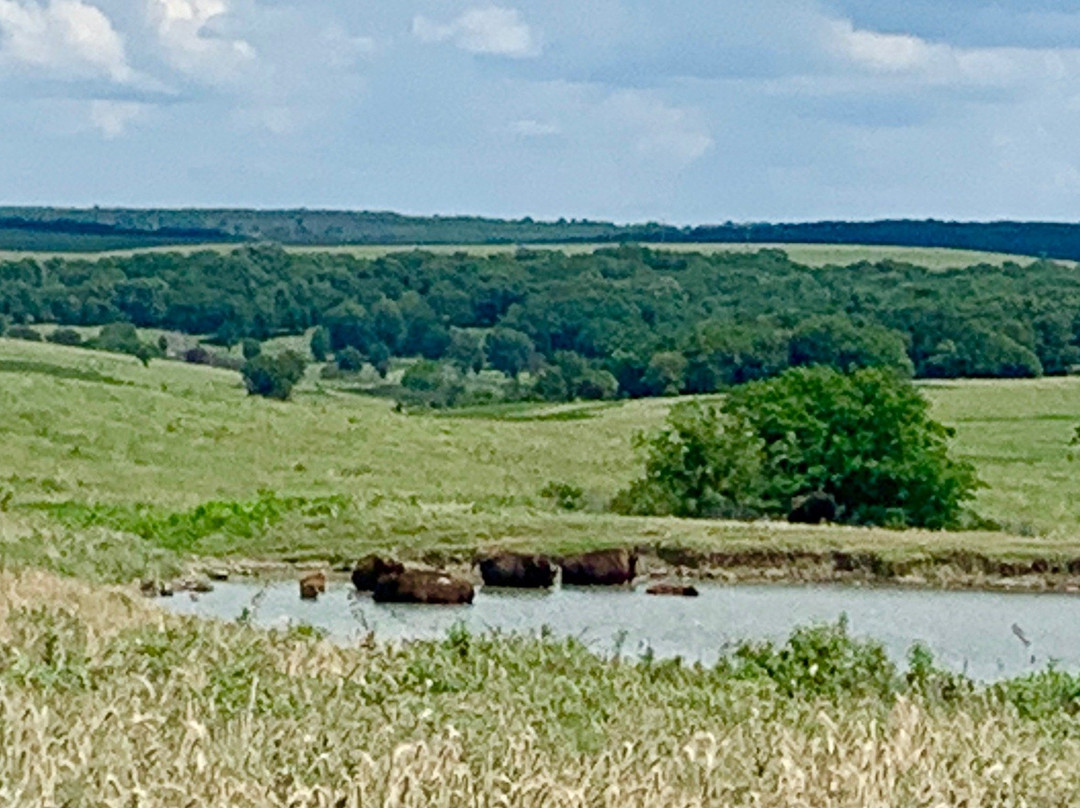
<point x="114" y="471"/>
<point x="111" y="466"/>
<point x="814" y="255"/>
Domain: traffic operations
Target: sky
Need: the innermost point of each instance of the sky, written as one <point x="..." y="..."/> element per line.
<point x="625" y="110"/>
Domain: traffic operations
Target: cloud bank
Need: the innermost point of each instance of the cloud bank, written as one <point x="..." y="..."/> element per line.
<point x="619" y="109"/>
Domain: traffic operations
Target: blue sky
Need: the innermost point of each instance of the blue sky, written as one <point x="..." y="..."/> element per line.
<point x="618" y="109"/>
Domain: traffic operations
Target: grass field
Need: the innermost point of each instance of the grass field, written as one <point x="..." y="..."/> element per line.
<point x="99" y="450"/>
<point x="810" y="254"/>
<point x="113" y="471"/>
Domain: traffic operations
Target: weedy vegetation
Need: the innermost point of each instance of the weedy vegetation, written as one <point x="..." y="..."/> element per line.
<point x="104" y="701"/>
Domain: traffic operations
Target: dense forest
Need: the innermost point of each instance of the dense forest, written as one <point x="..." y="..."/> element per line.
<point x="625" y="321"/>
<point x="94" y="229"/>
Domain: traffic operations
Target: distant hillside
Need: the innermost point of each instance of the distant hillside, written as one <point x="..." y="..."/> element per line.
<point x="92" y="229"/>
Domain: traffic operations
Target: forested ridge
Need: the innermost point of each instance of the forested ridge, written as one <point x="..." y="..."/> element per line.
<point x="94" y="229"/>
<point x="621" y="321"/>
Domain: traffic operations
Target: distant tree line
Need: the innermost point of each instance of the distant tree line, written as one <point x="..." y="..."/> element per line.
<point x="88" y="229"/>
<point x="624" y="321"/>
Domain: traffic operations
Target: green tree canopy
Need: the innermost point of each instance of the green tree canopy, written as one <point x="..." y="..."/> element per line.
<point x="273" y="376"/>
<point x="865" y="438"/>
<point x="320" y="343"/>
<point x="508" y="350"/>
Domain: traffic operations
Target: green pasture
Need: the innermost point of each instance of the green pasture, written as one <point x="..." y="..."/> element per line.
<point x="98" y="451"/>
<point x="816" y="255"/>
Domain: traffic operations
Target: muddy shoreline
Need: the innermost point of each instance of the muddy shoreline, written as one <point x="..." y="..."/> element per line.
<point x="949" y="570"/>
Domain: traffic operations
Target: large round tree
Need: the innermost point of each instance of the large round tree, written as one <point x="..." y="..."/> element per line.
<point x="864" y="438"/>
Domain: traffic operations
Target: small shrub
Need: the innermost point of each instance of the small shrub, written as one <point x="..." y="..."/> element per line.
<point x="23" y="332"/>
<point x="250" y="347"/>
<point x="1042" y="696"/>
<point x="564" y="495"/>
<point x="349" y="360"/>
<point x="703" y="463"/>
<point x="123" y="338"/>
<point x="198" y="356"/>
<point x="117" y="338"/>
<point x="596" y="385"/>
<point x="320" y="344"/>
<point x="379" y="357"/>
<point x="423" y="376"/>
<point x="822" y="661"/>
<point x="65" y="336"/>
<point x="273" y="376"/>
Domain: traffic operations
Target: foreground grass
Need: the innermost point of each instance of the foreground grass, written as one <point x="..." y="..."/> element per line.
<point x="111" y="469"/>
<point x="104" y="701"/>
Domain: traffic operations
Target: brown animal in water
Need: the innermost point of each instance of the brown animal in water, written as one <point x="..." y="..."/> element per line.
<point x="370" y="569"/>
<point x="602" y="567"/>
<point x="515" y="569"/>
<point x="423" y="586"/>
<point x="665" y="588"/>
<point x="312" y="585"/>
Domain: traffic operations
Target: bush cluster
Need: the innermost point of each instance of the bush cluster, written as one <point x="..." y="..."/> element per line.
<point x="273" y="376"/>
<point x="865" y="439"/>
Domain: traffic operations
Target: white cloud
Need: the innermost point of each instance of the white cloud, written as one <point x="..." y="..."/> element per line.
<point x="112" y="118"/>
<point x="65" y="39"/>
<point x="657" y="129"/>
<point x="885" y="52"/>
<point x="185" y="30"/>
<point x="488" y="29"/>
<point x="944" y="64"/>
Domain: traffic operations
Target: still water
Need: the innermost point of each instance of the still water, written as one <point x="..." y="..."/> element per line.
<point x="967" y="631"/>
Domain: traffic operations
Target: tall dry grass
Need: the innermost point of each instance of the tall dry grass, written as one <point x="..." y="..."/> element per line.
<point x="106" y="702"/>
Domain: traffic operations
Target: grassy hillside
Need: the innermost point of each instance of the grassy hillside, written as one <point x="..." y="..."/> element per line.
<point x="99" y="450"/>
<point x="815" y="255"/>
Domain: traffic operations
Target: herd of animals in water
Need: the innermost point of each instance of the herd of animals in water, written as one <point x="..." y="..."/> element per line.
<point x="390" y="581"/>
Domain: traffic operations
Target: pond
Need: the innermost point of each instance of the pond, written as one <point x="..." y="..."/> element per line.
<point x="967" y="631"/>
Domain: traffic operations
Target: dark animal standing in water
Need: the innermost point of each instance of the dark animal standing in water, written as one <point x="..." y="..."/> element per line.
<point x="312" y="585"/>
<point x="683" y="590"/>
<point x="423" y="586"/>
<point x="603" y="568"/>
<point x="813" y="509"/>
<point x="514" y="569"/>
<point x="370" y="569"/>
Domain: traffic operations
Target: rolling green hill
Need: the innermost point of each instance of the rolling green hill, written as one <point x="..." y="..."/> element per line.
<point x="100" y="450"/>
<point x="98" y="229"/>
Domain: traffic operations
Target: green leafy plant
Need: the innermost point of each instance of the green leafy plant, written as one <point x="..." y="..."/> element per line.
<point x="273" y="376"/>
<point x="865" y="439"/>
<point x="566" y="496"/>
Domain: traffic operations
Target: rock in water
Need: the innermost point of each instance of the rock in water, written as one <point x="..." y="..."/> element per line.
<point x="666" y="588"/>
